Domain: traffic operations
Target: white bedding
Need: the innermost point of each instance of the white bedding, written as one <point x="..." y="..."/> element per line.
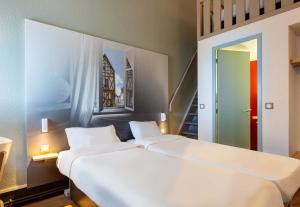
<point x="127" y="176"/>
<point x="283" y="171"/>
<point x="66" y="158"/>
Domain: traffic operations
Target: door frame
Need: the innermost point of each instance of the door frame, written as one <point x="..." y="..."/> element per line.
<point x="259" y="85"/>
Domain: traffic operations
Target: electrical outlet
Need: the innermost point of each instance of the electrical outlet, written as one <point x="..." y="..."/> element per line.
<point x="202" y="106"/>
<point x="67" y="192"/>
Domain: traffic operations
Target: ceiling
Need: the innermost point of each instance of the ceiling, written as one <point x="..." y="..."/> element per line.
<point x="248" y="46"/>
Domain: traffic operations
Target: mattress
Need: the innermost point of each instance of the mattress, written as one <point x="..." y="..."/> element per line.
<point x="130" y="176"/>
<point x="284" y="172"/>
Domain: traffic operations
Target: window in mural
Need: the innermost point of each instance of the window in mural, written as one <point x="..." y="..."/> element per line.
<point x="117" y="82"/>
<point x="109" y="85"/>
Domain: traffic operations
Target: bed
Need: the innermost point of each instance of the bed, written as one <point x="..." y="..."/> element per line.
<point x="124" y="174"/>
<point x="284" y="172"/>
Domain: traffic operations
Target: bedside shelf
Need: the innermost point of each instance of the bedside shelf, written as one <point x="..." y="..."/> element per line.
<point x="45" y="157"/>
<point x="295" y="61"/>
<point x="296" y="155"/>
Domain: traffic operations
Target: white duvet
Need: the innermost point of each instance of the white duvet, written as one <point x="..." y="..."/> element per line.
<point x="283" y="171"/>
<point x="126" y="176"/>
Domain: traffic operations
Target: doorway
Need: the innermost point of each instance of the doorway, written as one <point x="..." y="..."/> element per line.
<point x="237" y="88"/>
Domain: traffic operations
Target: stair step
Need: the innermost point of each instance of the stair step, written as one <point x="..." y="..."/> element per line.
<point x="189" y="133"/>
<point x="193" y="110"/>
<point x="191" y="123"/>
<point x="193" y="114"/>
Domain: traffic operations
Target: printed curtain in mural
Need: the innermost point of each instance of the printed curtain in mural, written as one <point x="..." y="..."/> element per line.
<point x="85" y="77"/>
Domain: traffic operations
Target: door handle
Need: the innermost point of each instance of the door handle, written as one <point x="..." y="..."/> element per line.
<point x="246" y="110"/>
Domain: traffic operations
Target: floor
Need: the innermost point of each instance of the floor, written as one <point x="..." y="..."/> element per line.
<point x="58" y="201"/>
<point x="62" y="201"/>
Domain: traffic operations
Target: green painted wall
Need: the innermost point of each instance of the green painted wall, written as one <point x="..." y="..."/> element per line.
<point x="164" y="26"/>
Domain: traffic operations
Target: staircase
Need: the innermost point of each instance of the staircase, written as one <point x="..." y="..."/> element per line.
<point x="190" y="125"/>
<point x="183" y="104"/>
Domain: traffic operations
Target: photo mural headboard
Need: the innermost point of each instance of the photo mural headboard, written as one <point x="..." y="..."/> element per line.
<point x="74" y="79"/>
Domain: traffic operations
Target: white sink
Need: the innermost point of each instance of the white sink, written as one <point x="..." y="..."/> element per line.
<point x="5" y="145"/>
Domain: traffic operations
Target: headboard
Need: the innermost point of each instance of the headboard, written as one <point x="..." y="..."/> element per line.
<point x="121" y="123"/>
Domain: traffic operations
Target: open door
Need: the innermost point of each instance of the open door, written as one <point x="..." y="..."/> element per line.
<point x="233" y="85"/>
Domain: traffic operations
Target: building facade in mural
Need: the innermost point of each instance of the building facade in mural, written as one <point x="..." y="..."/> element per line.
<point x="109" y="92"/>
<point x="118" y="81"/>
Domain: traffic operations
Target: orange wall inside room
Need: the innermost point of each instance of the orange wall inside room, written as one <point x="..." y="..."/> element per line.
<point x="253" y="104"/>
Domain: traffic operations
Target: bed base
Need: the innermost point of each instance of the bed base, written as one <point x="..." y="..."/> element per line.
<point x="80" y="198"/>
<point x="295" y="200"/>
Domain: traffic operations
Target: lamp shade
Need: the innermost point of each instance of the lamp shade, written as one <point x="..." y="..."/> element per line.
<point x="163" y="117"/>
<point x="44" y="125"/>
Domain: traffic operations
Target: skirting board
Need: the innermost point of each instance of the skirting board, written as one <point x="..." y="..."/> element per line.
<point x="26" y="195"/>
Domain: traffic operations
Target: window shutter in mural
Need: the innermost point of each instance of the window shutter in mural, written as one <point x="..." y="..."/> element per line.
<point x="129" y="83"/>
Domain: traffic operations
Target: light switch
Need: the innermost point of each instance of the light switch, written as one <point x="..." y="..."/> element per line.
<point x="269" y="106"/>
<point x="202" y="106"/>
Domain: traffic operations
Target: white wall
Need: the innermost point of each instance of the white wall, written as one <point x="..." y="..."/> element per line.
<point x="295" y="93"/>
<point x="275" y="78"/>
<point x="292" y="124"/>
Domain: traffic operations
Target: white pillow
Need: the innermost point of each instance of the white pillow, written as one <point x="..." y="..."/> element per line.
<point x="88" y="137"/>
<point x="142" y="130"/>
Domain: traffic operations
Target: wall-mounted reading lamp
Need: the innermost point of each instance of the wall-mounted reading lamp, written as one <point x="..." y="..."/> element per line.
<point x="44" y="148"/>
<point x="45" y="153"/>
<point x="163" y="117"/>
<point x="44" y="125"/>
<point x="163" y="124"/>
